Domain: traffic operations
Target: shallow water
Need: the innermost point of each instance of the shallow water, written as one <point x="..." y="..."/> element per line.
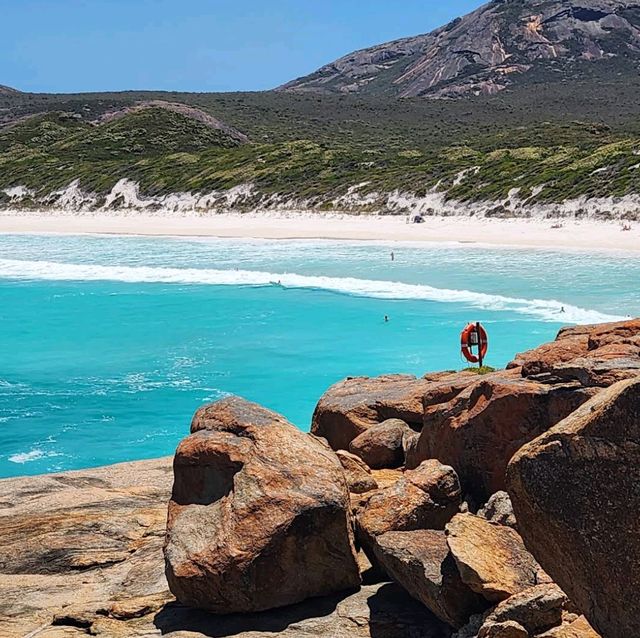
<point x="109" y="344"/>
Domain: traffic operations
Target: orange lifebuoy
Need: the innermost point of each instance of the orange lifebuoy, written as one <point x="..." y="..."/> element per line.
<point x="474" y="335"/>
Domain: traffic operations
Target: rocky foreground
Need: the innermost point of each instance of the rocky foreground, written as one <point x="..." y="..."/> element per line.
<point x="456" y="505"/>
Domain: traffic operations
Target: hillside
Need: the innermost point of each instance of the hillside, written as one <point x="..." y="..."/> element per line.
<point x="503" y="43"/>
<point x="532" y="148"/>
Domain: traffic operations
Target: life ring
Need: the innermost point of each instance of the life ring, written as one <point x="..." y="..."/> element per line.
<point x="474" y="335"/>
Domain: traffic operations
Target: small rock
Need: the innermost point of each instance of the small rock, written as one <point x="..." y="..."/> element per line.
<point x="381" y="446"/>
<point x="507" y="629"/>
<point x="357" y="473"/>
<point x="499" y="510"/>
<point x="537" y="609"/>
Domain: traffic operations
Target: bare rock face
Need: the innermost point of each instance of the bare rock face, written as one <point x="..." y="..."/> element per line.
<point x="352" y="406"/>
<point x="492" y="559"/>
<point x="479" y="430"/>
<point x="420" y="562"/>
<point x="381" y="445"/>
<point x="259" y="515"/>
<point x="424" y="498"/>
<point x="83" y="549"/>
<point x="488" y="50"/>
<point x="357" y="473"/>
<point x="575" y="494"/>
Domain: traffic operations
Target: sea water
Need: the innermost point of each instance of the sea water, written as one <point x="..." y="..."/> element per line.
<point x="109" y="344"/>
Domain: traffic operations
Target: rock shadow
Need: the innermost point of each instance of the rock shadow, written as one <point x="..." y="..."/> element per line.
<point x="176" y="617"/>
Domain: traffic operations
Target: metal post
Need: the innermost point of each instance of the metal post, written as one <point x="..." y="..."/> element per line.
<point x="479" y="344"/>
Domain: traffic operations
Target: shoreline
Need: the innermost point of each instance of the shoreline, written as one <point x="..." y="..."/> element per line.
<point x="585" y="235"/>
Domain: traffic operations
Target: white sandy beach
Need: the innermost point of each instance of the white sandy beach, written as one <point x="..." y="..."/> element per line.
<point x="587" y="235"/>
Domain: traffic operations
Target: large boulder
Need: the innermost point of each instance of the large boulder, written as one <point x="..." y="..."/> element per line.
<point x="576" y="495"/>
<point x="420" y="561"/>
<point x="478" y="431"/>
<point x="381" y="445"/>
<point x="424" y="498"/>
<point x="352" y="406"/>
<point x="492" y="559"/>
<point x="259" y="514"/>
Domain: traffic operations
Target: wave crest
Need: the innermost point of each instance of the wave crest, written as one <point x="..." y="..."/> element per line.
<point x="548" y="310"/>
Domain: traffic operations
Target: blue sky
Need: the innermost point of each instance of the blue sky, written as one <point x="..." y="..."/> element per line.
<point x="195" y="45"/>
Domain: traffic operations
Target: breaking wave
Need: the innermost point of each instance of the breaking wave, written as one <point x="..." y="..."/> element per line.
<point x="544" y="309"/>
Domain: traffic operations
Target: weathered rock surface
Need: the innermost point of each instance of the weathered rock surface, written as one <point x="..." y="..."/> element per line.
<point x="83" y="545"/>
<point x="81" y="553"/>
<point x="259" y="514"/>
<point x="499" y="509"/>
<point x="352" y="406"/>
<point x="536" y="610"/>
<point x="424" y="498"/>
<point x="477" y="423"/>
<point x="576" y="495"/>
<point x="479" y="430"/>
<point x="579" y="628"/>
<point x="420" y="561"/>
<point x="381" y="445"/>
<point x="492" y="559"/>
<point x="488" y="50"/>
<point x="357" y="473"/>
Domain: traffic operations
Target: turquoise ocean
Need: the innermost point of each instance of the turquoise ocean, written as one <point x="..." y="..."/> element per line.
<point x="109" y="344"/>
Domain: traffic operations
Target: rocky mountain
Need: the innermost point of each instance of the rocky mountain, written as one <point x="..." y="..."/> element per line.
<point x="499" y="44"/>
<point x="7" y="90"/>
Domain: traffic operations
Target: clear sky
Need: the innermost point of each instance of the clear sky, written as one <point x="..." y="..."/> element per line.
<point x="195" y="45"/>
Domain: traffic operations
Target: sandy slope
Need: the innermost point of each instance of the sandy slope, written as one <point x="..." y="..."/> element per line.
<point x="586" y="235"/>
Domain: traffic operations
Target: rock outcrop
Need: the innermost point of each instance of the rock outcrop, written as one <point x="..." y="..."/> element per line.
<point x="259" y="514"/>
<point x="499" y="44"/>
<point x="575" y="493"/>
<point x="81" y="554"/>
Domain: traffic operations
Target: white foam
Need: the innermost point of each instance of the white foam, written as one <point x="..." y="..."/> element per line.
<point x="33" y="455"/>
<point x="543" y="309"/>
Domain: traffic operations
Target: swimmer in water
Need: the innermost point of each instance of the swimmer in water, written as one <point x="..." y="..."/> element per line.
<point x="393" y="257"/>
<point x="562" y="309"/>
<point x="386" y="319"/>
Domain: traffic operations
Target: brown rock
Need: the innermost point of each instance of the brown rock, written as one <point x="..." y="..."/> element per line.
<point x="352" y="406"/>
<point x="491" y="558"/>
<point x="357" y="473"/>
<point x="126" y="505"/>
<point x="537" y="609"/>
<point x="259" y="515"/>
<point x="421" y="563"/>
<point x="479" y="430"/>
<point x="575" y="494"/>
<point x="506" y="629"/>
<point x="80" y="545"/>
<point x="579" y="628"/>
<point x="381" y="445"/>
<point x="424" y="498"/>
